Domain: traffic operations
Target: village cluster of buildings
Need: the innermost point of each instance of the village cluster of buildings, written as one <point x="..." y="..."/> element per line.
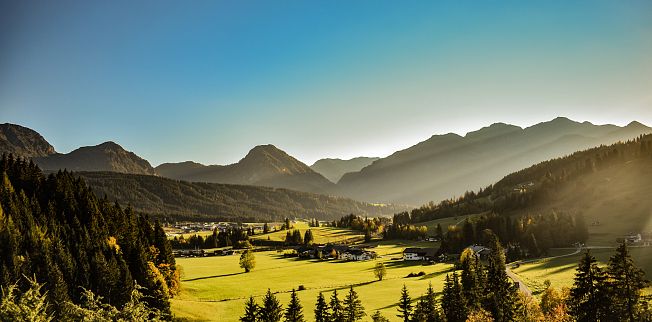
<point x="189" y="227"/>
<point x="336" y="251"/>
<point x="642" y="239"/>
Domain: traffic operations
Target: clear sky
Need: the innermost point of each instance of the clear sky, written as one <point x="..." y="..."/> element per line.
<point x="208" y="80"/>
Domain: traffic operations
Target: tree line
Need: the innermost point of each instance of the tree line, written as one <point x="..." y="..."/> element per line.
<point x="526" y="236"/>
<point x="57" y="231"/>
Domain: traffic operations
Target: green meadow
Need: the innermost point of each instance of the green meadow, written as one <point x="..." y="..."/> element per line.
<point x="215" y="288"/>
<point x="561" y="271"/>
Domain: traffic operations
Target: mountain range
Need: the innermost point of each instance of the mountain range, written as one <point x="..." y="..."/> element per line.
<point x="264" y="165"/>
<point x="334" y="169"/>
<point x="445" y="166"/>
<point x="440" y="167"/>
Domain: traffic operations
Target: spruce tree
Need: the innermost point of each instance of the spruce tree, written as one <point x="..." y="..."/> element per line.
<point x="404" y="305"/>
<point x="453" y="302"/>
<point x="353" y="309"/>
<point x="337" y="310"/>
<point x="588" y="300"/>
<point x="502" y="299"/>
<point x="271" y="311"/>
<point x="472" y="285"/>
<point x="251" y="311"/>
<point x="625" y="284"/>
<point x="321" y="309"/>
<point x="294" y="311"/>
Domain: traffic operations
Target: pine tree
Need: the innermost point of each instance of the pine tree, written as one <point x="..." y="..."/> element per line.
<point x="404" y="305"/>
<point x="502" y="300"/>
<point x="472" y="285"/>
<point x="625" y="284"/>
<point x="271" y="311"/>
<point x="321" y="309"/>
<point x="337" y="310"/>
<point x="377" y="317"/>
<point x="453" y="302"/>
<point x="353" y="309"/>
<point x="265" y="228"/>
<point x="251" y="311"/>
<point x="308" y="239"/>
<point x="588" y="299"/>
<point x="294" y="311"/>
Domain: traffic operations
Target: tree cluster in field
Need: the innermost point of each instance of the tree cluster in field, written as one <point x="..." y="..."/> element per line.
<point x="56" y="230"/>
<point x="534" y="184"/>
<point x="294" y="238"/>
<point x="401" y="231"/>
<point x="524" y="236"/>
<point x="370" y="226"/>
<point x="235" y="237"/>
<point x="349" y="309"/>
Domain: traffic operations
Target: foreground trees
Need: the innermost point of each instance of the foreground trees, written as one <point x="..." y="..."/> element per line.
<point x="56" y="230"/>
<point x="483" y="292"/>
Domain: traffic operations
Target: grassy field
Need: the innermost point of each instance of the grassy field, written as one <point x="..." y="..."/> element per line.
<point x="322" y="235"/>
<point x="215" y="288"/>
<point x="561" y="271"/>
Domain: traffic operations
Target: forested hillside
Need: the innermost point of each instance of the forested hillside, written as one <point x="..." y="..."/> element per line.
<point x="609" y="185"/>
<point x="56" y="230"/>
<point x="177" y="200"/>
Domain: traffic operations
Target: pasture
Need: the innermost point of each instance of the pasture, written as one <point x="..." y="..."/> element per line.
<point x="561" y="271"/>
<point x="215" y="288"/>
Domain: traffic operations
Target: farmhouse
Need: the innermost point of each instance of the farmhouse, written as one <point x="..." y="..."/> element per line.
<point x="419" y="254"/>
<point x="355" y="254"/>
<point x="480" y="251"/>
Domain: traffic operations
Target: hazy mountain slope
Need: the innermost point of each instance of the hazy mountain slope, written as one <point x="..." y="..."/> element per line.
<point x="23" y="142"/>
<point x="264" y="165"/>
<point x="610" y="185"/>
<point x="180" y="200"/>
<point x="334" y="169"/>
<point x="448" y="165"/>
<point x="107" y="156"/>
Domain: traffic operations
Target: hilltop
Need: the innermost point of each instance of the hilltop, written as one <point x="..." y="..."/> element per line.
<point x="264" y="165"/>
<point x="108" y="156"/>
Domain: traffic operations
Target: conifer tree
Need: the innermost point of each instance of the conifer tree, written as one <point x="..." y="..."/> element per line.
<point x="251" y="311"/>
<point x="308" y="239"/>
<point x="321" y="309"/>
<point x="265" y="228"/>
<point x="502" y="300"/>
<point x="271" y="311"/>
<point x="337" y="310"/>
<point x="294" y="311"/>
<point x="353" y="309"/>
<point x="472" y="285"/>
<point x="453" y="302"/>
<point x="404" y="305"/>
<point x="625" y="284"/>
<point x="377" y="317"/>
<point x="588" y="299"/>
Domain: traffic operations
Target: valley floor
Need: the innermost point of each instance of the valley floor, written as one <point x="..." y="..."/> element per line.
<point x="215" y="288"/>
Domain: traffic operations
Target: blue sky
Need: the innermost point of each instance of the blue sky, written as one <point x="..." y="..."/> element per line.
<point x="208" y="80"/>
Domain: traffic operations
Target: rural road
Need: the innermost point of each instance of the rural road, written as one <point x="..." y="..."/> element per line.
<point x="521" y="285"/>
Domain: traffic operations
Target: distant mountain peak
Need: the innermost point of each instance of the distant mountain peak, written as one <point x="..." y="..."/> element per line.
<point x="492" y="130"/>
<point x="23" y="142"/>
